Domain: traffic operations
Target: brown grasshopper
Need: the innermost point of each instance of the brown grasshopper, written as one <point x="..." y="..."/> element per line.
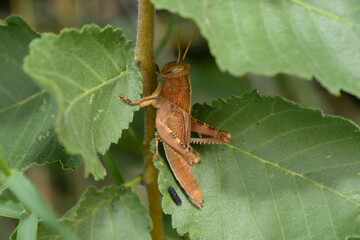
<point x="174" y="123"/>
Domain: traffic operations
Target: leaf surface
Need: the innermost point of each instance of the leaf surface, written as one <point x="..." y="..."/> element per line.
<point x="110" y="213"/>
<point x="308" y="38"/>
<point x="86" y="70"/>
<point x="10" y="209"/>
<point x="29" y="196"/>
<point x="27" y="228"/>
<point x="288" y="173"/>
<point x="27" y="112"/>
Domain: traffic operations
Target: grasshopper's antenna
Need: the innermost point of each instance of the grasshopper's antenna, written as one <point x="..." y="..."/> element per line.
<point x="178" y="41"/>
<point x="187" y="47"/>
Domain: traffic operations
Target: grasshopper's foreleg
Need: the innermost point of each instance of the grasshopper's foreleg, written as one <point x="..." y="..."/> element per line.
<point x="169" y="137"/>
<point x="145" y="101"/>
<point x="220" y="136"/>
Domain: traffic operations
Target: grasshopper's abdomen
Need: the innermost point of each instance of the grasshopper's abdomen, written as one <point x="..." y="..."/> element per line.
<point x="185" y="176"/>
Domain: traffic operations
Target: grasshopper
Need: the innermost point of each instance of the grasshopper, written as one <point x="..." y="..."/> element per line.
<point x="174" y="124"/>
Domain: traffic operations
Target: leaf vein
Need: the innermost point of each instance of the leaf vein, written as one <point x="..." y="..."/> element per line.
<point x="264" y="118"/>
<point x="271" y="41"/>
<point x="282" y="134"/>
<point x="331" y="217"/>
<point x="314" y="146"/>
<point x="237" y="164"/>
<point x="7" y="93"/>
<point x="106" y="53"/>
<point x="324" y="13"/>
<point x="238" y="35"/>
<point x="24" y="130"/>
<point x="331" y="53"/>
<point x="22" y="102"/>
<point x="88" y="67"/>
<point x="102" y="120"/>
<point x="93" y="89"/>
<point x="304" y="49"/>
<point x="274" y="201"/>
<point x="40" y="129"/>
<point x="8" y="58"/>
<point x="331" y="166"/>
<point x="234" y="114"/>
<point x="302" y="207"/>
<point x="219" y="203"/>
<point x="264" y="161"/>
<point x="62" y="76"/>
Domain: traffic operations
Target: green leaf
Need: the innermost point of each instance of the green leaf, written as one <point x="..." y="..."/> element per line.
<point x="110" y="213"/>
<point x="28" y="226"/>
<point x="304" y="37"/>
<point x="288" y="173"/>
<point x="10" y="209"/>
<point x="86" y="70"/>
<point x="26" y="112"/>
<point x="25" y="191"/>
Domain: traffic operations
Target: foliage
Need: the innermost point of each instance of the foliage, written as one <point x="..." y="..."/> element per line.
<point x="27" y="112"/>
<point x="306" y="38"/>
<point x="86" y="85"/>
<point x="288" y="173"/>
<point x="111" y="213"/>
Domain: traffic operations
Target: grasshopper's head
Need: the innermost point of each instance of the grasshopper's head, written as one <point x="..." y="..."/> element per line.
<point x="175" y="69"/>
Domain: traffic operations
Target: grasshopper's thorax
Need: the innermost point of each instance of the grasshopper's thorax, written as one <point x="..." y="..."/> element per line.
<point x="176" y="84"/>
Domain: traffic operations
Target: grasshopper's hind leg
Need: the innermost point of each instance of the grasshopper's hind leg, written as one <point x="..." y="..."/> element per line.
<point x="169" y="137"/>
<point x="220" y="136"/>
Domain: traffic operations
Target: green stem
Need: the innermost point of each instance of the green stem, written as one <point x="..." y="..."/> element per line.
<point x="170" y="28"/>
<point x="133" y="181"/>
<point x="114" y="171"/>
<point x="136" y="140"/>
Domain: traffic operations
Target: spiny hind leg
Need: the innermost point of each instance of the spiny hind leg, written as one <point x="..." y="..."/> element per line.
<point x="169" y="137"/>
<point x="220" y="136"/>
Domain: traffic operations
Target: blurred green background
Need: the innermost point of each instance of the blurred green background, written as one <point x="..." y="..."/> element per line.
<point x="62" y="188"/>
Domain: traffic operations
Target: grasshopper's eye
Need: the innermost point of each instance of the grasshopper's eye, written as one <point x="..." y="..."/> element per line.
<point x="175" y="70"/>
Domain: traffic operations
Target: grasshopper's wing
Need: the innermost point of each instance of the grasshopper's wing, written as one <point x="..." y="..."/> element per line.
<point x="173" y="128"/>
<point x="179" y="121"/>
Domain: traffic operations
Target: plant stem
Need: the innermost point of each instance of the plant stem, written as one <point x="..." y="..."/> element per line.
<point x="145" y="54"/>
<point x="173" y="21"/>
<point x="114" y="171"/>
<point x="136" y="140"/>
<point x="133" y="182"/>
